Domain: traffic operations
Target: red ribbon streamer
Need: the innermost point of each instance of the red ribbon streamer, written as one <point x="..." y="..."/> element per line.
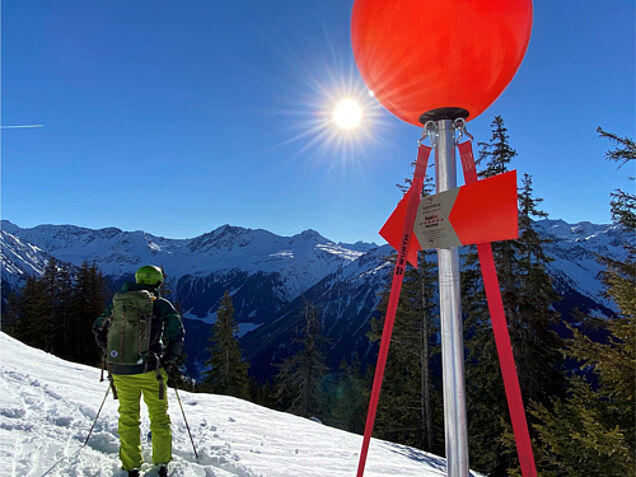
<point x="396" y="287"/>
<point x="502" y="337"/>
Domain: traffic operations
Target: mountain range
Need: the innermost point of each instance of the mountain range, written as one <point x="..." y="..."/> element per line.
<point x="271" y="277"/>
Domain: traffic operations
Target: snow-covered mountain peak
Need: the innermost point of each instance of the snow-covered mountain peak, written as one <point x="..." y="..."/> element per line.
<point x="269" y="276"/>
<point x="300" y="260"/>
<point x="19" y="259"/>
<point x="227" y="236"/>
<point x="8" y="226"/>
<point x="359" y="246"/>
<point x="229" y="232"/>
<point x="604" y="239"/>
<point x="561" y="229"/>
<point x="576" y="249"/>
<point x="309" y="234"/>
<point x="308" y="238"/>
<point x="238" y="258"/>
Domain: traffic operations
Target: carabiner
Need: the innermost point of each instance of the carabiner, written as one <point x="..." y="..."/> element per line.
<point x="429" y="131"/>
<point x="460" y="126"/>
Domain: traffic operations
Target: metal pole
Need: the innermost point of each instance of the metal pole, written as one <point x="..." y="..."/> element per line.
<point x="455" y="422"/>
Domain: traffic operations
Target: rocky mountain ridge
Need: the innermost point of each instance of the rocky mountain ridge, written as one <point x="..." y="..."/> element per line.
<point x="271" y="277"/>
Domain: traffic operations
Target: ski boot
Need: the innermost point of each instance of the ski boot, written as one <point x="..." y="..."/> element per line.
<point x="163" y="471"/>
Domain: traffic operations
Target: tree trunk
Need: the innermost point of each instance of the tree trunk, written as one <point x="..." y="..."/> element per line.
<point x="425" y="374"/>
<point x="227" y="369"/>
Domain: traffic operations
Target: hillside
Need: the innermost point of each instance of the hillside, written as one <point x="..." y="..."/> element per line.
<point x="47" y="407"/>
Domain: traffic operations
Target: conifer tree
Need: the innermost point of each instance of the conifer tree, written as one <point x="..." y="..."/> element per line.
<point x="496" y="154"/>
<point x="42" y="310"/>
<point x="87" y="303"/>
<point x="409" y="409"/>
<point x="349" y="397"/>
<point x="228" y="371"/>
<point x="298" y="383"/>
<point x="31" y="312"/>
<point x="9" y="316"/>
<point x="622" y="204"/>
<point x="167" y="291"/>
<point x="262" y="394"/>
<point x="527" y="294"/>
<point x="55" y="312"/>
<point x="592" y="431"/>
<point x="57" y="284"/>
<point x="537" y="346"/>
<point x="410" y="405"/>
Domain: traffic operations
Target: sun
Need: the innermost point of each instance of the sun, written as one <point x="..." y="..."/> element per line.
<point x="347" y="114"/>
<point x="333" y="115"/>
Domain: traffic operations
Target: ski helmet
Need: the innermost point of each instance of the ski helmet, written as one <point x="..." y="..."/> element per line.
<point x="149" y="275"/>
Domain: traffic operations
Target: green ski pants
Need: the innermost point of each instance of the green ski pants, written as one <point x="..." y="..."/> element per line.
<point x="130" y="387"/>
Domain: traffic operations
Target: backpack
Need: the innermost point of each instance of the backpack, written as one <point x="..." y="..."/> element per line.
<point x="128" y="339"/>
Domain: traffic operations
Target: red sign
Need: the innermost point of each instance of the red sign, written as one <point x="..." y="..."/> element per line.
<point x="485" y="211"/>
<point x="392" y="230"/>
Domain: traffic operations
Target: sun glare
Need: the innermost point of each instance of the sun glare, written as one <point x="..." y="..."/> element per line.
<point x="347" y="114"/>
<point x="332" y="114"/>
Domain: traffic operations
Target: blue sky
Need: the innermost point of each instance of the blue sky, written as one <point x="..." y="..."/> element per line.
<point x="178" y="117"/>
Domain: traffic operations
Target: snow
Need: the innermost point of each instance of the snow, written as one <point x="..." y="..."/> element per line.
<point x="245" y="328"/>
<point x="47" y="406"/>
<point x="210" y="318"/>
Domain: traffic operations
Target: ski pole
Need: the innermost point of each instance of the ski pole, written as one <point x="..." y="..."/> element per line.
<point x="95" y="420"/>
<point x="186" y="423"/>
<point x="85" y="441"/>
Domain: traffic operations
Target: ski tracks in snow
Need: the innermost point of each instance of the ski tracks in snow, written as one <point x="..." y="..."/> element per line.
<point x="48" y="405"/>
<point x="40" y="426"/>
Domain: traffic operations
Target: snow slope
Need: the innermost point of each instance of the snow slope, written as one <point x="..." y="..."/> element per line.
<point x="47" y="406"/>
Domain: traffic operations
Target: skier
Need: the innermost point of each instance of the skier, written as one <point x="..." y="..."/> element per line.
<point x="142" y="336"/>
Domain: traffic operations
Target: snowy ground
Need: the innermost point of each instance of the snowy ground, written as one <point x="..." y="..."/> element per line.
<point x="47" y="406"/>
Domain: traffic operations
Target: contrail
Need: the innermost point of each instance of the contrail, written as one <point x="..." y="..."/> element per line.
<point x="21" y="126"/>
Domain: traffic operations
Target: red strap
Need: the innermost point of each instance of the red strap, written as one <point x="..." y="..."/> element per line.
<point x="394" y="296"/>
<point x="468" y="162"/>
<point x="502" y="337"/>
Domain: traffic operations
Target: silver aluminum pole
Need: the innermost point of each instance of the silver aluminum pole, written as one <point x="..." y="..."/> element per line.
<point x="455" y="422"/>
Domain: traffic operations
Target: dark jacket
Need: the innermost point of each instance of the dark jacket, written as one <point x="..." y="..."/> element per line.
<point x="166" y="334"/>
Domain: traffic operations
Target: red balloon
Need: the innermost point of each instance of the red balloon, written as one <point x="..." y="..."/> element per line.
<point x="418" y="56"/>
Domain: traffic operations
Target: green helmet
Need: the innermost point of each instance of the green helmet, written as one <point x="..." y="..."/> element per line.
<point x="149" y="275"/>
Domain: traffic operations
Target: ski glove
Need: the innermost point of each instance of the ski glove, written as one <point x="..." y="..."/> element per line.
<point x="100" y="328"/>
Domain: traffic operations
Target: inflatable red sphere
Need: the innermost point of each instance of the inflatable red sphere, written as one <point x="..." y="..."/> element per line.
<point x="420" y="56"/>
